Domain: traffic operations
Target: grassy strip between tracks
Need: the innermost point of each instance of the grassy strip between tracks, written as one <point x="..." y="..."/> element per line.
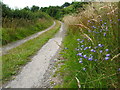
<point x="20" y="55"/>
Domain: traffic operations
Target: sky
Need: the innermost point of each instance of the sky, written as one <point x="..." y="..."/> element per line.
<point x="41" y="3"/>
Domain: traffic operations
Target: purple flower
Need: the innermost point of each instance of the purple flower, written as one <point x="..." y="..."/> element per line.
<point x="106" y="50"/>
<point x="93" y="26"/>
<point x="88" y="39"/>
<point x="107" y="55"/>
<point x="104" y="34"/>
<point x="77" y="49"/>
<point x="106" y="58"/>
<point x="95" y="59"/>
<point x="101" y="51"/>
<point x="82" y="45"/>
<point x="88" y="20"/>
<point x="80" y="61"/>
<point x="100" y="45"/>
<point x="82" y="41"/>
<point x="118" y="69"/>
<point x="78" y="39"/>
<point x="100" y="20"/>
<point x="84" y="69"/>
<point x="90" y="59"/>
<point x="118" y="19"/>
<point x="92" y="50"/>
<point x="96" y="47"/>
<point x="79" y="54"/>
<point x="85" y="56"/>
<point x="105" y="23"/>
<point x="85" y="48"/>
<point x="89" y="30"/>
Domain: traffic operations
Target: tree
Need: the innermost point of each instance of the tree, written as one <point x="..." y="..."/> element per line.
<point x="34" y="8"/>
<point x="66" y="4"/>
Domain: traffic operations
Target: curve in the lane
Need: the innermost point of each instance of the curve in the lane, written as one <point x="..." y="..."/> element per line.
<point x="6" y="48"/>
<point x="32" y="74"/>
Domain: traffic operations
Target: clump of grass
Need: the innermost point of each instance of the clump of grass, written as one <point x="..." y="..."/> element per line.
<point x="17" y="29"/>
<point x="20" y="55"/>
<point x="92" y="45"/>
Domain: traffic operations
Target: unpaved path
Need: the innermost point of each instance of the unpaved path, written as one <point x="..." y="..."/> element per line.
<point x="6" y="48"/>
<point x="32" y="74"/>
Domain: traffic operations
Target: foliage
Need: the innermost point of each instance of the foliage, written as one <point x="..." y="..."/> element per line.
<point x="58" y="12"/>
<point x="91" y="54"/>
<point x="18" y="24"/>
<point x="20" y="55"/>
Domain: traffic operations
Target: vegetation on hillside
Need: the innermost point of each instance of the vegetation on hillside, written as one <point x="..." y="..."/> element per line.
<point x="58" y="12"/>
<point x="17" y="24"/>
<point x="92" y="48"/>
<point x="20" y="55"/>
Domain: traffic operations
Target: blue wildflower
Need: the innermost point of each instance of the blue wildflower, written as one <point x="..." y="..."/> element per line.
<point x="96" y="47"/>
<point x="78" y="39"/>
<point x="90" y="59"/>
<point x="92" y="50"/>
<point x="106" y="58"/>
<point x="104" y="34"/>
<point x="88" y="20"/>
<point x="77" y="49"/>
<point x="80" y="61"/>
<point x="82" y="45"/>
<point x="107" y="55"/>
<point x="118" y="69"/>
<point x="95" y="60"/>
<point x="100" y="45"/>
<point x="82" y="41"/>
<point x="93" y="26"/>
<point x="85" y="56"/>
<point x="85" y="48"/>
<point x="106" y="50"/>
<point x="101" y="51"/>
<point x="84" y="69"/>
<point x="79" y="54"/>
<point x="89" y="31"/>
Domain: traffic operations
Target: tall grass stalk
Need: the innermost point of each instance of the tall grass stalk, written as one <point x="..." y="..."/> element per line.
<point x="92" y="56"/>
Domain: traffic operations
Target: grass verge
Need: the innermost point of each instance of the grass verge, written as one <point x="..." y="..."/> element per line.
<point x="12" y="34"/>
<point x="92" y="49"/>
<point x="20" y="55"/>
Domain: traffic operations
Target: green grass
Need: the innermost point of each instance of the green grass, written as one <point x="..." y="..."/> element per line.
<point x="20" y="28"/>
<point x="98" y="72"/>
<point x="20" y="55"/>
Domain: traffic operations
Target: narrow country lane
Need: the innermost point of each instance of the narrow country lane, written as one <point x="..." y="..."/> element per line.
<point x="32" y="74"/>
<point x="6" y="48"/>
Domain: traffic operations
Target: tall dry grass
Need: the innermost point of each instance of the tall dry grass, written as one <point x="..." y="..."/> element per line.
<point x="93" y="53"/>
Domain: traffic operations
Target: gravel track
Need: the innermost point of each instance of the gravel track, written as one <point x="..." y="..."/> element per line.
<point x="9" y="46"/>
<point x="32" y="74"/>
